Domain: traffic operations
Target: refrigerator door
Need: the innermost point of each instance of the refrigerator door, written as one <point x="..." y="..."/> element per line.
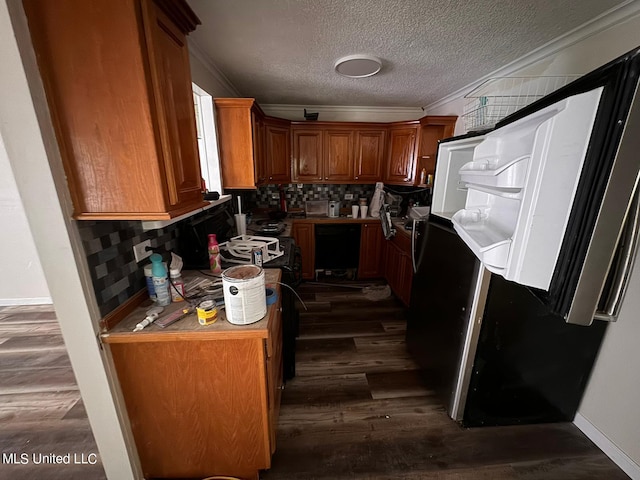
<point x="549" y="189"/>
<point x="521" y="184"/>
<point x="441" y="304"/>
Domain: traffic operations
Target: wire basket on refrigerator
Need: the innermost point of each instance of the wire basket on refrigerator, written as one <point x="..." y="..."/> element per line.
<point x="496" y="98"/>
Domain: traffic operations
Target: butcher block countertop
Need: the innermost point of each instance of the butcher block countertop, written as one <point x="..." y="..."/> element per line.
<point x="188" y="328"/>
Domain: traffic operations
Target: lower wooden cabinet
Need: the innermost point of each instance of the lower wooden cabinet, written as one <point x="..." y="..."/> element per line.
<point x="371" y="243"/>
<point x="398" y="267"/>
<point x="199" y="405"/>
<point x="304" y="236"/>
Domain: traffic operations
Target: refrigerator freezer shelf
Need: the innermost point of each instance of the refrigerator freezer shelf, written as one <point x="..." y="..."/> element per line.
<point x="495" y="172"/>
<point x="488" y="241"/>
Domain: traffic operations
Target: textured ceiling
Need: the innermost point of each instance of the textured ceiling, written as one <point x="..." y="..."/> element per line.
<point x="283" y="51"/>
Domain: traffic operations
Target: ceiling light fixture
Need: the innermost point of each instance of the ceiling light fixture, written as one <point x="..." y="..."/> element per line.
<point x="358" y="66"/>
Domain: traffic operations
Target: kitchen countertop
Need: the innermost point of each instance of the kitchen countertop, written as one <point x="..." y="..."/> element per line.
<point x="188" y="328"/>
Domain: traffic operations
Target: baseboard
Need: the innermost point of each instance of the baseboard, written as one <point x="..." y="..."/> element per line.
<point x="608" y="447"/>
<point x="6" y="302"/>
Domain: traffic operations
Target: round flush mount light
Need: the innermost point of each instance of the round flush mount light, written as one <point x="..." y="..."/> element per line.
<point x="358" y="66"/>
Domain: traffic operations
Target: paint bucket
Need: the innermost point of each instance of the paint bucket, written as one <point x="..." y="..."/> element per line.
<point x="244" y="294"/>
<point x="207" y="312"/>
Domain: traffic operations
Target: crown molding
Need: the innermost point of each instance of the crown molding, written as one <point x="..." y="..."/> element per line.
<point x="201" y="55"/>
<point x="295" y="112"/>
<point x="624" y="11"/>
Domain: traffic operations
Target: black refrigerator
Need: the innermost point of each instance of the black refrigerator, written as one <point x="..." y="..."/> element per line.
<point x="525" y="256"/>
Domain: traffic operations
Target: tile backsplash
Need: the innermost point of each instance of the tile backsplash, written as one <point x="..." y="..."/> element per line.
<point x="108" y="246"/>
<point x="268" y="195"/>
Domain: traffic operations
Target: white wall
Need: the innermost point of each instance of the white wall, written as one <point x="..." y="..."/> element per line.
<point x="612" y="400"/>
<point x="610" y="409"/>
<point x="22" y="281"/>
<point x="207" y="76"/>
<point x="579" y="58"/>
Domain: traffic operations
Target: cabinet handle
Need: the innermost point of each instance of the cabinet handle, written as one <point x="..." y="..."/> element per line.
<point x="270" y="178"/>
<point x="406" y="179"/>
<point x="326" y="178"/>
<point x="319" y="178"/>
<point x="357" y="178"/>
<point x="425" y="156"/>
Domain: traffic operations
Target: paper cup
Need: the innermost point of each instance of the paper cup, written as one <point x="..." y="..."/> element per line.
<point x="241" y="223"/>
<point x="363" y="210"/>
<point x="354" y="211"/>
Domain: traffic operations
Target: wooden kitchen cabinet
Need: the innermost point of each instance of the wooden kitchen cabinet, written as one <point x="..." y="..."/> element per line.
<point x="398" y="267"/>
<point x="401" y="156"/>
<point x="338" y="152"/>
<point x="118" y="84"/>
<point x="240" y="128"/>
<point x="338" y="156"/>
<point x="432" y="130"/>
<point x="202" y="401"/>
<point x="254" y="149"/>
<point x="307" y="155"/>
<point x="277" y="151"/>
<point x="304" y="236"/>
<point x="369" y="155"/>
<point x="371" y="250"/>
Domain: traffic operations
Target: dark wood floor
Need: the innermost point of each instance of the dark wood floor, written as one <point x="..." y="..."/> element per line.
<point x="40" y="407"/>
<point x="358" y="409"/>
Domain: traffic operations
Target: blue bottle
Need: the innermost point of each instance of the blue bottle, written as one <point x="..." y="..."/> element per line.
<point x="160" y="280"/>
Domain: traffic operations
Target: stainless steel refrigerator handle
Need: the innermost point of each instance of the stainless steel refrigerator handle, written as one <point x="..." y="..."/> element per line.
<point x="623" y="269"/>
<point x="413" y="245"/>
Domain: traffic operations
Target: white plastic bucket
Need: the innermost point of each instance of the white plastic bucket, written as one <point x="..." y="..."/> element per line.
<point x="244" y="294"/>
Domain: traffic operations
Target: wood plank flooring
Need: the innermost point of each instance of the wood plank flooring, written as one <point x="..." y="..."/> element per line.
<point x="358" y="409"/>
<point x="41" y="411"/>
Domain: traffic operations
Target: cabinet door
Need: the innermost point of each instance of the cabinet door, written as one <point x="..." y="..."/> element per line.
<point x="369" y="155"/>
<point x="401" y="157"/>
<point x="338" y="155"/>
<point x="278" y="158"/>
<point x="432" y="130"/>
<point x="169" y="57"/>
<point x="371" y="246"/>
<point x="259" y="148"/>
<point x="238" y="125"/>
<point x="303" y="234"/>
<point x="193" y="395"/>
<point x="307" y="156"/>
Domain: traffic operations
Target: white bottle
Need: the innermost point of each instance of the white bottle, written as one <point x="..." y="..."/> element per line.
<point x="177" y="286"/>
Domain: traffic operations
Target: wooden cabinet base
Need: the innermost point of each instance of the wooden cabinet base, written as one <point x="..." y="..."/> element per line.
<point x="187" y="417"/>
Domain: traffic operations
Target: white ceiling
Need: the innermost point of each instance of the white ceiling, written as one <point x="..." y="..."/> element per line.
<point x="283" y="51"/>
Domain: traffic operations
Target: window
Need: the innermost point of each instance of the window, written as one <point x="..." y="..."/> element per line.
<point x="207" y="140"/>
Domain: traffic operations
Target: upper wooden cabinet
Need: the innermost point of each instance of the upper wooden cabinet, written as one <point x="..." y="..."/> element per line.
<point x="369" y="155"/>
<point x="240" y="127"/>
<point x="401" y="165"/>
<point x="307" y="155"/>
<point x="337" y="152"/>
<point x="254" y="149"/>
<point x="432" y="130"/>
<point x="118" y="83"/>
<point x="277" y="151"/>
<point x="338" y="156"/>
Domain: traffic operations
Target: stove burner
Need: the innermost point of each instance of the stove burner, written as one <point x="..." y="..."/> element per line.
<point x="271" y="228"/>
